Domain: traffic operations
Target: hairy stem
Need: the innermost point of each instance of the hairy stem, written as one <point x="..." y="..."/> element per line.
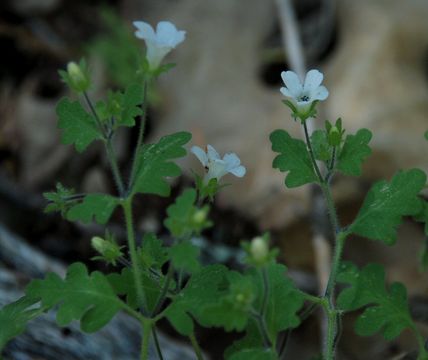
<point x="164" y="291"/>
<point x="196" y="347"/>
<point x="266" y="291"/>
<point x="147" y="330"/>
<point x="136" y="266"/>
<point x="311" y="152"/>
<point x="109" y="147"/>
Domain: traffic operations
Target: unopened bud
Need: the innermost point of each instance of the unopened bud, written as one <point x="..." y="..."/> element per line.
<point x="259" y="249"/>
<point x="334" y="136"/>
<point x="99" y="244"/>
<point x="76" y="76"/>
<point x="200" y="216"/>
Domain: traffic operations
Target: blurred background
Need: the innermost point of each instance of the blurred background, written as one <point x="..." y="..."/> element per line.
<point x="225" y="90"/>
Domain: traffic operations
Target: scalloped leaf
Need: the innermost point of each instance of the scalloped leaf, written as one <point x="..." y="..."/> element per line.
<point x="94" y="206"/>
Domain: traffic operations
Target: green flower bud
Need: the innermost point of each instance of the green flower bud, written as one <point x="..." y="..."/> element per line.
<point x="259" y="250"/>
<point x="109" y="250"/>
<point x="76" y="76"/>
<point x="200" y="216"/>
<point x="334" y="136"/>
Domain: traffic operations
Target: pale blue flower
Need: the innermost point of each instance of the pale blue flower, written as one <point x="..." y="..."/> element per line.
<point x="158" y="43"/>
<point x="215" y="166"/>
<point x="303" y="95"/>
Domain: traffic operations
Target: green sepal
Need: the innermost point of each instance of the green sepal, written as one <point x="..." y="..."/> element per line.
<point x="294" y="158"/>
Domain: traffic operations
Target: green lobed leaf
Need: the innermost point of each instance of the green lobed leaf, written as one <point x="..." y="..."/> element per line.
<point x="353" y="153"/>
<point x="387" y="203"/>
<point x="184" y="256"/>
<point x="94" y="206"/>
<point x="232" y="310"/>
<point x="14" y="318"/>
<point x="422" y="216"/>
<point x="202" y="289"/>
<point x="284" y="302"/>
<point x="78" y="127"/>
<point x="254" y="354"/>
<point x="80" y="296"/>
<point x="386" y="312"/>
<point x="294" y="158"/>
<point x="184" y="218"/>
<point x="251" y="339"/>
<point x="154" y="164"/>
<point x="123" y="284"/>
<point x="153" y="253"/>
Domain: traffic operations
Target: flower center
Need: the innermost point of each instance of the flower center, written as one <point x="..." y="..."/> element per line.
<point x="304" y="98"/>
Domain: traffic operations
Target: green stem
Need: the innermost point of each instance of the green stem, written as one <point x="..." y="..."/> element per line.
<point x="196" y="347"/>
<point x="266" y="291"/>
<point x="340" y="243"/>
<point x="423" y="353"/>
<point x="147" y="330"/>
<point x="332" y="322"/>
<point x="261" y="323"/>
<point x="155" y="338"/>
<point x="140" y="136"/>
<point x="94" y="113"/>
<point x="136" y="267"/>
<point x="164" y="291"/>
<point x="311" y="153"/>
<point x="114" y="167"/>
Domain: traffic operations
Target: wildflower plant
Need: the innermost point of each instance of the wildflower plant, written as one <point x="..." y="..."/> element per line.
<point x="154" y="281"/>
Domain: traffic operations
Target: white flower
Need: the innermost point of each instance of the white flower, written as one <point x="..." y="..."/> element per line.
<point x="215" y="166"/>
<point x="158" y="43"/>
<point x="303" y="95"/>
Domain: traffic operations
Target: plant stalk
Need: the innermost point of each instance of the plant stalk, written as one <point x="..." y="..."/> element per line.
<point x="196" y="347"/>
<point x="147" y="330"/>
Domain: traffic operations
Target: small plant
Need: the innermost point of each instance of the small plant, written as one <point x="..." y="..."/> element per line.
<point x="154" y="281"/>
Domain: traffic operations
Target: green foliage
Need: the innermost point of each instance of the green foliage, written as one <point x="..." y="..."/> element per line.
<point x="254" y="354"/>
<point x="184" y="256"/>
<point x="203" y="289"/>
<point x="60" y="200"/>
<point x="386" y="204"/>
<point x="80" y="296"/>
<point x="153" y="253"/>
<point x="153" y="164"/>
<point x="386" y="311"/>
<point x="14" y="318"/>
<point x="354" y="151"/>
<point x="251" y="339"/>
<point x="184" y="218"/>
<point x="78" y="127"/>
<point x="284" y="301"/>
<point x="118" y="48"/>
<point x="320" y="145"/>
<point x="294" y="158"/>
<point x="94" y="206"/>
<point x="232" y="310"/>
<point x="77" y="76"/>
<point x="123" y="107"/>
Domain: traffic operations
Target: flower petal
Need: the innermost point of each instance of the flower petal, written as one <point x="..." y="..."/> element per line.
<point x="292" y="82"/>
<point x="217" y="169"/>
<point x="212" y="153"/>
<point x="238" y="171"/>
<point x="232" y="161"/>
<point x="144" y="31"/>
<point x="168" y="35"/>
<point x="200" y="154"/>
<point x="313" y="80"/>
<point x="321" y="93"/>
<point x="286" y="92"/>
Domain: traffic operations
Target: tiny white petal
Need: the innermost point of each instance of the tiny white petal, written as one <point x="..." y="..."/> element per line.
<point x="313" y="79"/>
<point x="238" y="171"/>
<point x="292" y="82"/>
<point x="144" y="30"/>
<point x="321" y="93"/>
<point x="217" y="169"/>
<point x="200" y="154"/>
<point x="286" y="92"/>
<point x="212" y="153"/>
<point x="232" y="161"/>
